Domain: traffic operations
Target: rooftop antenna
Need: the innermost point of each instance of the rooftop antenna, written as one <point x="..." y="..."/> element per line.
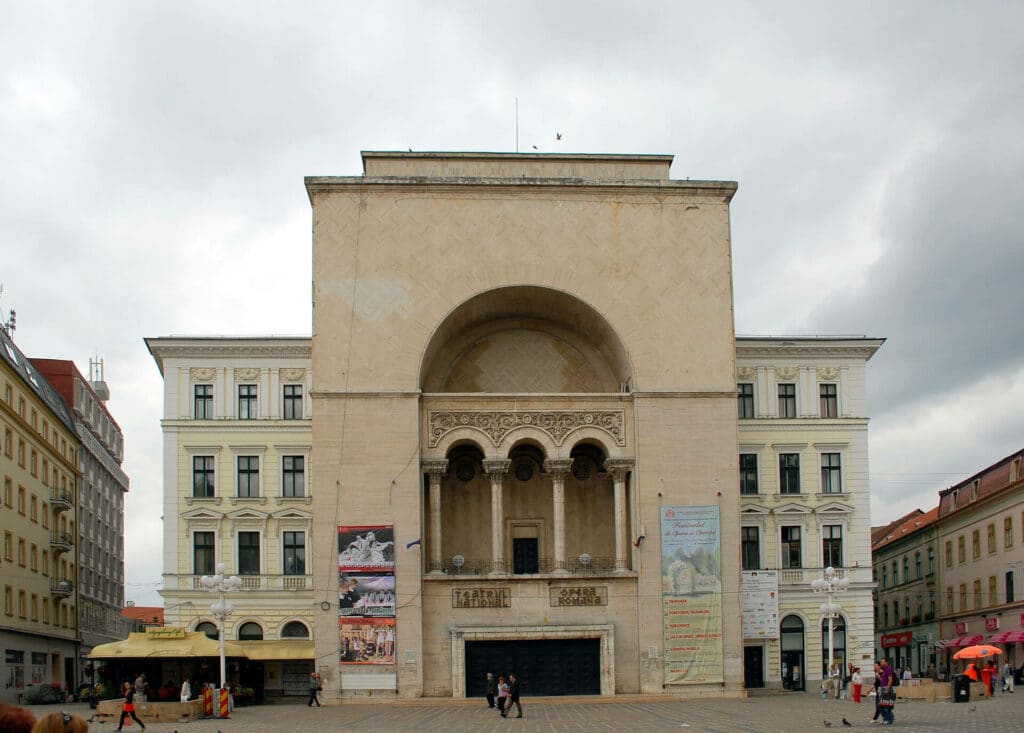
<point x="96" y="379"/>
<point x="517" y="123"/>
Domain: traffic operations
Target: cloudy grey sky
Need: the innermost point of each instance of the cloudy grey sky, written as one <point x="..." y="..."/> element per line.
<point x="153" y="157"/>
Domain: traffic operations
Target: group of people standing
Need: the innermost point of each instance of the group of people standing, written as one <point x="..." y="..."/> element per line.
<point x="988" y="673"/>
<point x="502" y="694"/>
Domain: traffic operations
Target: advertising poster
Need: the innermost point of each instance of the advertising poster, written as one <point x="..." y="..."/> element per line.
<point x="369" y="549"/>
<point x="366" y="594"/>
<point x="760" y="604"/>
<point x="691" y="570"/>
<point x="367" y="640"/>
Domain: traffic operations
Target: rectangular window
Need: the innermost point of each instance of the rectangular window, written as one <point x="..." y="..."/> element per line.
<point x="885" y="576"/>
<point x="751" y="551"/>
<point x="748" y="473"/>
<point x="895" y="573"/>
<point x="248" y="408"/>
<point x="8" y="547"/>
<point x="746" y="399"/>
<point x="1008" y="582"/>
<point x="203" y="553"/>
<point x="787" y="400"/>
<point x="789" y="473"/>
<point x="292" y="402"/>
<point x="525" y="556"/>
<point x="33" y="508"/>
<point x="917" y="565"/>
<point x="22" y="553"/>
<point x="963" y="596"/>
<point x="203" y="400"/>
<point x="294" y="553"/>
<point x="1008" y="532"/>
<point x="977" y="593"/>
<point x="991" y="536"/>
<point x="976" y="544"/>
<point x="831" y="474"/>
<point x="248" y="553"/>
<point x="961" y="549"/>
<point x="203" y="484"/>
<point x="293" y="476"/>
<point x="832" y="545"/>
<point x="992" y="600"/>
<point x="931" y="560"/>
<point x="248" y="477"/>
<point x="949" y="600"/>
<point x="791" y="547"/>
<point x="9" y="602"/>
<point x="34" y="558"/>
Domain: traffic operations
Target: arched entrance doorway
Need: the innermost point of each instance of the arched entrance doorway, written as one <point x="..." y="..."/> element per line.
<point x="791" y="636"/>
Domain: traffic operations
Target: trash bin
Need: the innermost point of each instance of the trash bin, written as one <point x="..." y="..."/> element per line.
<point x="961" y="688"/>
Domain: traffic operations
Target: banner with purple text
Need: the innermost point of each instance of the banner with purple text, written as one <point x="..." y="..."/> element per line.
<point x="691" y="574"/>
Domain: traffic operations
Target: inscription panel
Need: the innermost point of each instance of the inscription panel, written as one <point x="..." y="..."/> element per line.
<point x="579" y="596"/>
<point x="482" y="598"/>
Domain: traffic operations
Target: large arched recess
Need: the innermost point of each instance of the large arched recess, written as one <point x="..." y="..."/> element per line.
<point x="525" y="339"/>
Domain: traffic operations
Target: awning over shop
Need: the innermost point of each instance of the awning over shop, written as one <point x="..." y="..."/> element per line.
<point x="1007" y="637"/>
<point x="279" y="650"/>
<point x="960" y="641"/>
<point x="187" y="644"/>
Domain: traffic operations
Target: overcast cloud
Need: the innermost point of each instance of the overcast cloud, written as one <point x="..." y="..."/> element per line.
<point x="153" y="156"/>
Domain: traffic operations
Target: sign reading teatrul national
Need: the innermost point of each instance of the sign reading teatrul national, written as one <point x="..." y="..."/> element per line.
<point x="482" y="598"/>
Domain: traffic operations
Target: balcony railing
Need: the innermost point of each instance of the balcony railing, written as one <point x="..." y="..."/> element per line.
<point x="249" y="582"/>
<point x="545" y="566"/>
<point x="61" y="541"/>
<point x="60" y="499"/>
<point x="62" y="588"/>
<point x="804" y="576"/>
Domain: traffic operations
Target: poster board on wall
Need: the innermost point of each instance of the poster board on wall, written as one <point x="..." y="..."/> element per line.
<point x="366" y="594"/>
<point x="691" y="569"/>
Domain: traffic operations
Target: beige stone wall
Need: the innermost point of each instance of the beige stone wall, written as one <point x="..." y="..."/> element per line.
<point x="398" y="254"/>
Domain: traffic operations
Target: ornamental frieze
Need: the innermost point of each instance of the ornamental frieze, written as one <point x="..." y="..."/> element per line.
<point x="829" y="374"/>
<point x="246" y="374"/>
<point x="293" y="375"/>
<point x="202" y="374"/>
<point x="496" y="425"/>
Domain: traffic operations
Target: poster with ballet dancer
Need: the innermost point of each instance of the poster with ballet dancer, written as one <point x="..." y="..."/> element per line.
<point x="366" y="595"/>
<point x="366" y="549"/>
<point x="367" y="640"/>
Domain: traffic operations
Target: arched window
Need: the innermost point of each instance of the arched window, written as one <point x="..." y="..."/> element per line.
<point x="207" y="628"/>
<point x="792" y="646"/>
<point x="294" y="630"/>
<point x="250" y="632"/>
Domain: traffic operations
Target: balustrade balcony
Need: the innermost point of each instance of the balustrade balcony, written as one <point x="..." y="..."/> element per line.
<point x="62" y="588"/>
<point x="61" y="541"/>
<point x="545" y="566"/>
<point x="60" y="499"/>
<point x="272" y="583"/>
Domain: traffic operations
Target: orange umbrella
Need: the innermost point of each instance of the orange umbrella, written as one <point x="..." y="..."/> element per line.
<point x="977" y="651"/>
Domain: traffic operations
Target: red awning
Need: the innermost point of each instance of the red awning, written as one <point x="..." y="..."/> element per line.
<point x="960" y="641"/>
<point x="1007" y="637"/>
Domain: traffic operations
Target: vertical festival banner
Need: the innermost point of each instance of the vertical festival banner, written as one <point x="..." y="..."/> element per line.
<point x="366" y="594"/>
<point x="691" y="573"/>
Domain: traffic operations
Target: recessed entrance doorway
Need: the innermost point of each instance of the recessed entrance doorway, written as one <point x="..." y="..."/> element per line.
<point x="544" y="667"/>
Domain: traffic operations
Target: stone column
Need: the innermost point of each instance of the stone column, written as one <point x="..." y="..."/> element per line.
<point x="618" y="468"/>
<point x="558" y="469"/>
<point x="436" y="470"/>
<point x="497" y="470"/>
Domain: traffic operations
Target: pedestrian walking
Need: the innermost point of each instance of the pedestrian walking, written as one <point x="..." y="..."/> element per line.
<point x="513" y="697"/>
<point x="858" y="683"/>
<point x="314" y="688"/>
<point x="888" y="695"/>
<point x="140" y="687"/>
<point x="128" y="706"/>
<point x="186" y="690"/>
<point x="492" y="689"/>
<point x="1007" y="677"/>
<point x="877" y="691"/>
<point x="502" y="695"/>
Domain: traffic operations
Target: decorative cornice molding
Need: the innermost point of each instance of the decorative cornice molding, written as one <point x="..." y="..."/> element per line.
<point x="436" y="468"/>
<point x="202" y="374"/>
<point x="497" y="468"/>
<point x="829" y="373"/>
<point x="786" y="372"/>
<point x="246" y="374"/>
<point x="746" y="373"/>
<point x="558" y="467"/>
<point x="293" y="374"/>
<point x="619" y="467"/>
<point x="496" y="425"/>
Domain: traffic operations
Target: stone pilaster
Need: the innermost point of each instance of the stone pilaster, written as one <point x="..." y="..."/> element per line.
<point x="619" y="468"/>
<point x="558" y="469"/>
<point x="497" y="470"/>
<point x="436" y="471"/>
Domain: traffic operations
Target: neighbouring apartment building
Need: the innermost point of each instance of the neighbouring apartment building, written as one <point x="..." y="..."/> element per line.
<point x="905" y="563"/>
<point x="38" y="566"/>
<point x="238" y="490"/>
<point x="100" y="502"/>
<point x="980" y="530"/>
<point x="519" y="443"/>
<point x="804" y="504"/>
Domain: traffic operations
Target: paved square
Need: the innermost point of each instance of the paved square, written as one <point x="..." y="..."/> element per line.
<point x="767" y="713"/>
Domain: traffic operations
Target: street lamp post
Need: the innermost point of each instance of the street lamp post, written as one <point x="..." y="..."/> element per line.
<point x="220" y="608"/>
<point x="830" y="585"/>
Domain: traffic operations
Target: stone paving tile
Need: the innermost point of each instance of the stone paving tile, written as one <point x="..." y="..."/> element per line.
<point x="780" y="713"/>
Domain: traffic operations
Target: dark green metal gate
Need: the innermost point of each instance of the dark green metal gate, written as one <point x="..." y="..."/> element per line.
<point x="544" y="667"/>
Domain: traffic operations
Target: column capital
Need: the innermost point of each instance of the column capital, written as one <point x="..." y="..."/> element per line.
<point x="436" y="468"/>
<point x="619" y="467"/>
<point x="497" y="468"/>
<point x="558" y="467"/>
